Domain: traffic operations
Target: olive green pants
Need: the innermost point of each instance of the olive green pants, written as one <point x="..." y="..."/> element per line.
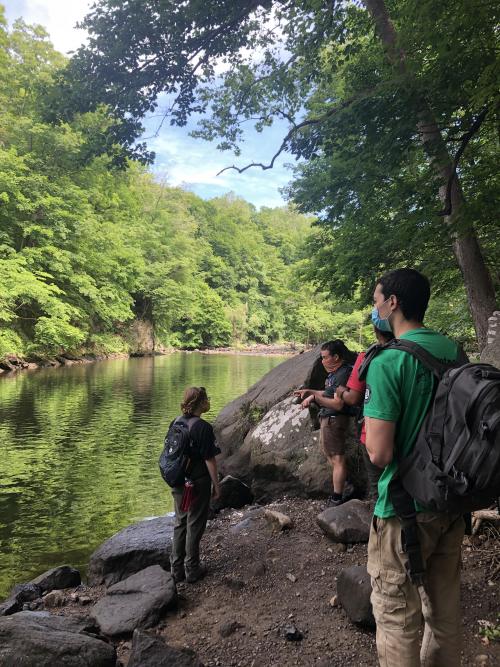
<point x="400" y="608"/>
<point x="190" y="526"/>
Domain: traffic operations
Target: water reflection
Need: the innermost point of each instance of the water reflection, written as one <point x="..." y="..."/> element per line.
<point x="79" y="449"/>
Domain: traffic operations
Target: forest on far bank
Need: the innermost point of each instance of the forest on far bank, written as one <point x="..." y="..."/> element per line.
<point x="90" y="240"/>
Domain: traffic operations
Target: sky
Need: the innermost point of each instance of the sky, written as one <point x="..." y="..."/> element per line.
<point x="180" y="159"/>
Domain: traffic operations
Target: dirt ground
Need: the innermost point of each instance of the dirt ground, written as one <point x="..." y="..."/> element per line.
<point x="261" y="580"/>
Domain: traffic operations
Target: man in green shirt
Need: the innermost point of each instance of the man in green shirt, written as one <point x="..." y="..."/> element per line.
<point x="398" y="395"/>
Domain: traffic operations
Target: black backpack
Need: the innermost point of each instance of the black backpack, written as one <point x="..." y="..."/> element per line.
<point x="455" y="463"/>
<point x="176" y="454"/>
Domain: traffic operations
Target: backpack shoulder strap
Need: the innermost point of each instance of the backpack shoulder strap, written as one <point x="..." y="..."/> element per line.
<point x="370" y="354"/>
<point x="434" y="365"/>
<point x="187" y="421"/>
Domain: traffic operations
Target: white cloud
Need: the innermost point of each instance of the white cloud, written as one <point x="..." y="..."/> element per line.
<point x="58" y="17"/>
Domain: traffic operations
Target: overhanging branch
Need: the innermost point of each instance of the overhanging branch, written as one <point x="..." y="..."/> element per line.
<point x="464" y="142"/>
<point x="298" y="128"/>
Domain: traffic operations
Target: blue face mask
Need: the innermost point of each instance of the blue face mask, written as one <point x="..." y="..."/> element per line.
<point x="382" y="324"/>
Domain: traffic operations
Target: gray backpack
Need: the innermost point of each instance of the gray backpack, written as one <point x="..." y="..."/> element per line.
<point x="455" y="463"/>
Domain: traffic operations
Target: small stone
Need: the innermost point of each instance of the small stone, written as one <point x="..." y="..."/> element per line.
<point x="53" y="599"/>
<point x="481" y="660"/>
<point x="340" y="547"/>
<point x="291" y="577"/>
<point x="229" y="628"/>
<point x="280" y="520"/>
<point x="84" y="599"/>
<point x="334" y="602"/>
<point x="74" y="597"/>
<point x="292" y="634"/>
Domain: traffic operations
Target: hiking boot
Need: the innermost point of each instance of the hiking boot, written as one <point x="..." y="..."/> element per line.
<point x="333" y="502"/>
<point x="196" y="573"/>
<point x="178" y="575"/>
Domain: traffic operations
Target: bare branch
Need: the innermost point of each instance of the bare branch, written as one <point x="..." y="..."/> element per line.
<point x="298" y="128"/>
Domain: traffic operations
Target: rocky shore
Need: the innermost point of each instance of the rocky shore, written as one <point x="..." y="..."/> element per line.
<point x="286" y="583"/>
<point x="285" y="587"/>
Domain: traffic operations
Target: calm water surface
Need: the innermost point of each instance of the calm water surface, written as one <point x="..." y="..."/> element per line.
<point x="79" y="449"/>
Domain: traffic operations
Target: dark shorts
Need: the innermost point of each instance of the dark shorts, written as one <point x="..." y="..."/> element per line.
<point x="332" y="436"/>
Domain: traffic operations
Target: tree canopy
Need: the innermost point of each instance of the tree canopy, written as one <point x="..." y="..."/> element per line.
<point x="87" y="249"/>
<point x="392" y="110"/>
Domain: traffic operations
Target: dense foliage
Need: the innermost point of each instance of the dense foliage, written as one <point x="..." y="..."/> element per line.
<point x="392" y="107"/>
<point x="86" y="249"/>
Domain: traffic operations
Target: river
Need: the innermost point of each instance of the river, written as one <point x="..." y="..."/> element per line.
<point x="79" y="448"/>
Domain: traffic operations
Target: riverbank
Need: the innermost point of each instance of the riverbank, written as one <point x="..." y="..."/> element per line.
<point x="14" y="364"/>
<point x="262" y="580"/>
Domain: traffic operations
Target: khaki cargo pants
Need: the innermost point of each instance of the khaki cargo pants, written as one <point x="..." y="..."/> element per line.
<point x="400" y="608"/>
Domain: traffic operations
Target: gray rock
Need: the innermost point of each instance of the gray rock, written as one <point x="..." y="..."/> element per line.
<point x="54" y="599"/>
<point x="353" y="591"/>
<point x="57" y="578"/>
<point x="131" y="550"/>
<point x="137" y="602"/>
<point x="150" y="651"/>
<point x="347" y="523"/>
<point x="491" y="352"/>
<point x="292" y="633"/>
<point x="251" y="521"/>
<point x="34" y="639"/>
<point x="236" y="419"/>
<point x="285" y="455"/>
<point x="229" y="628"/>
<point x="20" y="594"/>
<point x="26" y="592"/>
<point x="10" y="606"/>
<point x="233" y="493"/>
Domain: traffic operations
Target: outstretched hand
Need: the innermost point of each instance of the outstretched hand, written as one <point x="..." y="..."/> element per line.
<point x="307" y="401"/>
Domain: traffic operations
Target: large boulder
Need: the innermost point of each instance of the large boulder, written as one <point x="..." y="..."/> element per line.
<point x="134" y="548"/>
<point x="347" y="523"/>
<point x="137" y="602"/>
<point x="237" y="418"/>
<point x="353" y="591"/>
<point x="34" y="639"/>
<point x="491" y="353"/>
<point x="150" y="651"/>
<point x="282" y="455"/>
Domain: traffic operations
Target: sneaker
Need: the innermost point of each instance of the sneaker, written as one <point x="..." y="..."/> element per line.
<point x="196" y="573"/>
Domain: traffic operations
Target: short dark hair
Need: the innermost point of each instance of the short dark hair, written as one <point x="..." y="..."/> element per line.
<point x="338" y="346"/>
<point x="412" y="290"/>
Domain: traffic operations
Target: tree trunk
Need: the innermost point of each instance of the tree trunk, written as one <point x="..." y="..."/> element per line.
<point x="478" y="284"/>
